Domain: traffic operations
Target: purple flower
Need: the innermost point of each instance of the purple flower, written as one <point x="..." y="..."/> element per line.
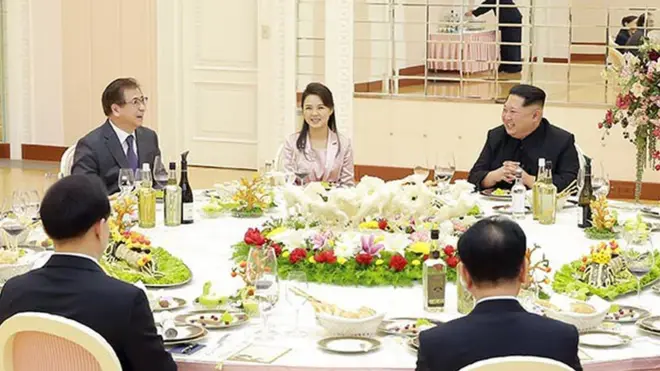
<point x="320" y="240"/>
<point x="369" y="246"/>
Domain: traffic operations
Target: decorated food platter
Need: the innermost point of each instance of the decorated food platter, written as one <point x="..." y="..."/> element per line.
<point x="626" y="314"/>
<point x="406" y="326"/>
<point x="497" y="194"/>
<point x="213" y="319"/>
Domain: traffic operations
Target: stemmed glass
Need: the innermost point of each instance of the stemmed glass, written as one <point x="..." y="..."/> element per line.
<point x="639" y="256"/>
<point x="160" y="173"/>
<point x="300" y="168"/>
<point x="443" y="170"/>
<point x="126" y="180"/>
<point x="12" y="224"/>
<point x="296" y="280"/>
<point x="601" y="184"/>
<point x="32" y="202"/>
<point x="261" y="270"/>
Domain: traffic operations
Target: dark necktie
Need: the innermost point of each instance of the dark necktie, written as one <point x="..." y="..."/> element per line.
<point x="130" y="153"/>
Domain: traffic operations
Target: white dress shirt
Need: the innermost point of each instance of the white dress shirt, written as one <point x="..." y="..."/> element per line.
<point x="122" y="135"/>
<point x="489" y="298"/>
<point x="78" y="255"/>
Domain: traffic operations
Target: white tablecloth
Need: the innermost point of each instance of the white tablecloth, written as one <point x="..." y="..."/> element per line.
<point x="206" y="247"/>
<point x="465" y="52"/>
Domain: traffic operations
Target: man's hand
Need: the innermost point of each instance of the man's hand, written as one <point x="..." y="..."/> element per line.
<point x="509" y="171"/>
<point x="468" y="13"/>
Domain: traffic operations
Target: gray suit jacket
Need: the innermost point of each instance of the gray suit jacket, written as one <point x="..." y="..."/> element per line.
<point x="99" y="152"/>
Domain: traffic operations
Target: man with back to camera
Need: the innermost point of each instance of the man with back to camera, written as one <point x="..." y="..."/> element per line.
<point x="493" y="268"/>
<point x="121" y="142"/>
<point x="523" y="138"/>
<point x="72" y="284"/>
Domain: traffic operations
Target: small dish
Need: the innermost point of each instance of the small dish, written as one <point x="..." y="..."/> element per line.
<point x="163" y="304"/>
<point x="650" y="324"/>
<point x="183" y="333"/>
<point x="413" y="343"/>
<point x="627" y="314"/>
<point x="349" y="344"/>
<point x="506" y="209"/>
<point x="213" y="319"/>
<point x="490" y="193"/>
<point x="604" y="339"/>
<point x="406" y="326"/>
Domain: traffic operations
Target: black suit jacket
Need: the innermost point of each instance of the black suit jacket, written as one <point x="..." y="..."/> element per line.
<point x="505" y="15"/>
<point x="547" y="141"/>
<point x="77" y="288"/>
<point x="99" y="152"/>
<point x="496" y="328"/>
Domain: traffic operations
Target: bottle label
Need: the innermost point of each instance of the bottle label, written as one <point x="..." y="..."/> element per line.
<point x="187" y="211"/>
<point x="518" y="203"/>
<point x="584" y="217"/>
<point x="436" y="289"/>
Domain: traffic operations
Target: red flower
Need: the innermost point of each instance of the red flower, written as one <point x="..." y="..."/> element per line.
<point x="656" y="155"/>
<point x="452" y="261"/>
<point x="609" y="117"/>
<point x="254" y="237"/>
<point x="297" y="255"/>
<point x="327" y="256"/>
<point x="654" y="55"/>
<point x="449" y="250"/>
<point x="657" y="167"/>
<point x="425" y="257"/>
<point x="398" y="263"/>
<point x="624" y="101"/>
<point x="363" y="259"/>
<point x="382" y="224"/>
<point x="277" y="248"/>
<point x="600" y="125"/>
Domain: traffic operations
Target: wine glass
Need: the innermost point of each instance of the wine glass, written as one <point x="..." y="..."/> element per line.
<point x="638" y="256"/>
<point x="143" y="178"/>
<point x="18" y="203"/>
<point x="443" y="171"/>
<point x="49" y="180"/>
<point x="601" y="184"/>
<point x="160" y="174"/>
<point x="126" y="180"/>
<point x="301" y="169"/>
<point x="289" y="177"/>
<point x="32" y="202"/>
<point x="12" y="225"/>
<point x="261" y="270"/>
<point x="296" y="280"/>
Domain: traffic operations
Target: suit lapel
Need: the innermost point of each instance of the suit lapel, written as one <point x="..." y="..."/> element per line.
<point x="115" y="148"/>
<point x="138" y="136"/>
<point x="330" y="153"/>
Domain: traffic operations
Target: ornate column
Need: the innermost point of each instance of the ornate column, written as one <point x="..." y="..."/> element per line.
<point x="339" y="16"/>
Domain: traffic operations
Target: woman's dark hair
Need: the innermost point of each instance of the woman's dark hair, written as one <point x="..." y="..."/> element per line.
<point x="641" y="21"/>
<point x="325" y="95"/>
<point x="627" y="20"/>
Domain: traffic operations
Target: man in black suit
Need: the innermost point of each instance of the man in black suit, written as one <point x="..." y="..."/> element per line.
<point x="73" y="285"/>
<point x="493" y="267"/>
<point x="524" y="138"/>
<point x="121" y="142"/>
<point x="509" y="19"/>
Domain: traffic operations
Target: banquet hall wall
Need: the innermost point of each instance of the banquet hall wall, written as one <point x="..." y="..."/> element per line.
<point x="61" y="59"/>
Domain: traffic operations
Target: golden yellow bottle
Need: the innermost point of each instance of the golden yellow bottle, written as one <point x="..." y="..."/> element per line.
<point x="548" y="198"/>
<point x="536" y="195"/>
<point x="146" y="200"/>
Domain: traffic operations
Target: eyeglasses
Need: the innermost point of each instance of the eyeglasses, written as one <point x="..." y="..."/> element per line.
<point x="139" y="101"/>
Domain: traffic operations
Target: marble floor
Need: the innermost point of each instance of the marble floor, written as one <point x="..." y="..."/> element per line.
<point x="38" y="175"/>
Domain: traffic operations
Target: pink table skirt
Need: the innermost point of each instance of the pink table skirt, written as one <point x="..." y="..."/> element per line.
<point x="637" y="364"/>
<point x="477" y="56"/>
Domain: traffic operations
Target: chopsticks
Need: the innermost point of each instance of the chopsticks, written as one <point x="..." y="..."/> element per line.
<point x="572" y="187"/>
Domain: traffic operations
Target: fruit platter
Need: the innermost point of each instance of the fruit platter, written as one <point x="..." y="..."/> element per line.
<point x="603" y="272"/>
<point x="625" y="314"/>
<point x="130" y="257"/>
<point x="242" y="199"/>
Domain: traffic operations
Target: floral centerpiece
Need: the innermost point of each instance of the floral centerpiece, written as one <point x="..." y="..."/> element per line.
<point x="369" y="258"/>
<point x="248" y="198"/>
<point x="603" y="220"/>
<point x="638" y="106"/>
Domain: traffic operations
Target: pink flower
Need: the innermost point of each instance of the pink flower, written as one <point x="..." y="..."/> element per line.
<point x="656" y="132"/>
<point x="320" y="240"/>
<point x="369" y="246"/>
<point x="420" y="236"/>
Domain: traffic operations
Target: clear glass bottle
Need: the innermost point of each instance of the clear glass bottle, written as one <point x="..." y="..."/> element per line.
<point x="548" y="197"/>
<point x="146" y="199"/>
<point x="434" y="277"/>
<point x="536" y="203"/>
<point x="172" y="197"/>
<point x="465" y="299"/>
<point x="518" y="197"/>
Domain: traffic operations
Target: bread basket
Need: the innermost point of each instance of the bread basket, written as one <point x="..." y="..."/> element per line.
<point x="583" y="321"/>
<point x="340" y="326"/>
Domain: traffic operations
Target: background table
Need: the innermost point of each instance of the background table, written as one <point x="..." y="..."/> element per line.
<point x="477" y="56"/>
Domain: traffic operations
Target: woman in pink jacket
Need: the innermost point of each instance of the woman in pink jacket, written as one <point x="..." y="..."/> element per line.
<point x="318" y="150"/>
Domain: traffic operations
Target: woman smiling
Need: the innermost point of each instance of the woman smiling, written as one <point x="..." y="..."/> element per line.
<point x="318" y="152"/>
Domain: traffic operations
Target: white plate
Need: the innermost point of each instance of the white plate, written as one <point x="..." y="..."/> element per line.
<point x="174" y="304"/>
<point x="630" y="314"/>
<point x="650" y="324"/>
<point x="210" y="319"/>
<point x="184" y="333"/>
<point x="349" y="344"/>
<point x="603" y="339"/>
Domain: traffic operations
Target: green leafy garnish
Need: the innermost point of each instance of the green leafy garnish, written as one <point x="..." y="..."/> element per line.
<point x="594" y="233"/>
<point x="173" y="268"/>
<point x="474" y="211"/>
<point x="423" y="322"/>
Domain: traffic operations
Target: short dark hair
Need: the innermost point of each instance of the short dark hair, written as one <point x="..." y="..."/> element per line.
<point x="73" y="205"/>
<point x="627" y="20"/>
<point x="493" y="250"/>
<point x="530" y="94"/>
<point x="114" y="93"/>
<point x="641" y="21"/>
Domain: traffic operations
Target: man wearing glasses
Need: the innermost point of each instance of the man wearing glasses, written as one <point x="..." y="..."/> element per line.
<point x="121" y="142"/>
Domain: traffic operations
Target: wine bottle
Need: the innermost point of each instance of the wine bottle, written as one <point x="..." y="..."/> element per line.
<point x="187" y="209"/>
<point x="518" y="197"/>
<point x="585" y="197"/>
<point x="172" y="199"/>
<point x="548" y="197"/>
<point x="434" y="277"/>
<point x="146" y="199"/>
<point x="536" y="205"/>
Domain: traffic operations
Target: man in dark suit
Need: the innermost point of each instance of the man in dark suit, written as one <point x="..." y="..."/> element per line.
<point x="509" y="19"/>
<point x="121" y="142"/>
<point x="493" y="267"/>
<point x="73" y="285"/>
<point x="524" y="137"/>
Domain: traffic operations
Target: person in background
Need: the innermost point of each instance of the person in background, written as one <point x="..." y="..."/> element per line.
<point x="121" y="142"/>
<point x="318" y="149"/>
<point x="644" y="23"/>
<point x="493" y="268"/>
<point x="629" y="24"/>
<point x="72" y="284"/>
<point x="524" y="137"/>
<point x="509" y="21"/>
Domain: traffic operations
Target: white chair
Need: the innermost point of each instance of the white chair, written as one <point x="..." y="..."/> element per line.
<point x="615" y="58"/>
<point x="30" y="341"/>
<point x="67" y="162"/>
<point x="278" y="165"/>
<point x="581" y="160"/>
<point x="655" y="36"/>
<point x="517" y="363"/>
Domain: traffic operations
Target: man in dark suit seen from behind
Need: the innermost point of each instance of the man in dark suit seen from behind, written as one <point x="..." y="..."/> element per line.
<point x="72" y="284"/>
<point x="493" y="267"/>
<point x="121" y="142"/>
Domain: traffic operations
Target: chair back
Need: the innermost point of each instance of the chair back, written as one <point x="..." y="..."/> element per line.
<point x="655" y="36"/>
<point x="615" y="57"/>
<point x="28" y="341"/>
<point x="67" y="162"/>
<point x="517" y="363"/>
<point x="279" y="160"/>
<point x="582" y="161"/>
